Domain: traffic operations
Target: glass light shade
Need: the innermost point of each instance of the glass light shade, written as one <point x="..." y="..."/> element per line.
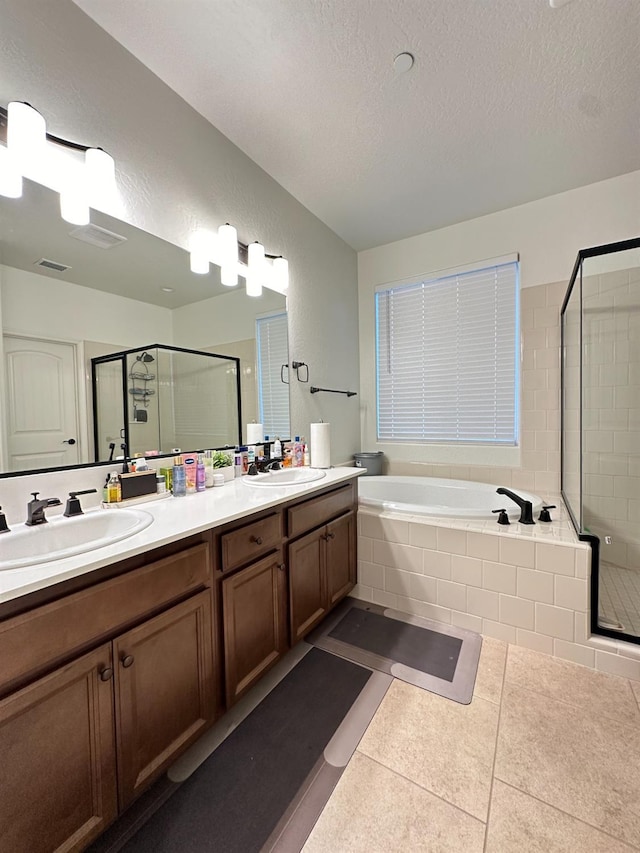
<point x="10" y="177"/>
<point x="200" y="252"/>
<point x="26" y="133"/>
<point x="228" y="247"/>
<point x="281" y="273"/>
<point x="101" y="174"/>
<point x="255" y="271"/>
<point x="74" y="207"/>
<point x="229" y="275"/>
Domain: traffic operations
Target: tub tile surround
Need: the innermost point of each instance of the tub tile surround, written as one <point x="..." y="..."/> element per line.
<point x="526" y="585"/>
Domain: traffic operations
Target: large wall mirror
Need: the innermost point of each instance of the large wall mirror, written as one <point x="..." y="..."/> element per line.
<point x="71" y="294"/>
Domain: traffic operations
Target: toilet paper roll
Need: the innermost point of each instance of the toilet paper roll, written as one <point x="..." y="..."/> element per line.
<point x="321" y="445"/>
<point x="255" y="434"/>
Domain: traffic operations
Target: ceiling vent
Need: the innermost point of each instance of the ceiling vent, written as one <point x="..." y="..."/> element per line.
<point x="52" y="265"/>
<point x="96" y="236"/>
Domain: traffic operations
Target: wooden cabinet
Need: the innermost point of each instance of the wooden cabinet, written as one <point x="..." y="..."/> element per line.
<point x="254" y="606"/>
<point x="164" y="691"/>
<point x="322" y="568"/>
<point x="58" y="759"/>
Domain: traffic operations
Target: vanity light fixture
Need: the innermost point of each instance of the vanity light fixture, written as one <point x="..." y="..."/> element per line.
<point x="256" y="268"/>
<point x="81" y="183"/>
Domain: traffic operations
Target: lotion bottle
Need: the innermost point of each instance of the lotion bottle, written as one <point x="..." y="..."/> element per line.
<point x="277" y="448"/>
<point x="201" y="483"/>
<point x="179" y="478"/>
<point x="114" y="489"/>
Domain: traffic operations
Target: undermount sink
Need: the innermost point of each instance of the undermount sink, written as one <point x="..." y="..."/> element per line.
<point x="64" y="537"/>
<point x="285" y="477"/>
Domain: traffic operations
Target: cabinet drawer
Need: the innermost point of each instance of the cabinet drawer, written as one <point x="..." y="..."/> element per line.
<point x="32" y="642"/>
<point x="245" y="544"/>
<point x="317" y="511"/>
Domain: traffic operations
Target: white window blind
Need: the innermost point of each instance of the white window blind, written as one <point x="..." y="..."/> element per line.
<point x="273" y="394"/>
<point x="447" y="366"/>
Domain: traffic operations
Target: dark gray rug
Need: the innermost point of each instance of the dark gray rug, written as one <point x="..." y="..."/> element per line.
<point x="437" y="657"/>
<point x="236" y="798"/>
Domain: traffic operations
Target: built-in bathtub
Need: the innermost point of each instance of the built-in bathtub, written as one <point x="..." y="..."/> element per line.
<point x="435" y="496"/>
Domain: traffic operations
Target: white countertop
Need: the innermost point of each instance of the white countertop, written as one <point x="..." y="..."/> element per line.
<point x="173" y="518"/>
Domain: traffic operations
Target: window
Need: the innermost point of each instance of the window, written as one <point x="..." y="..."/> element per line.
<point x="273" y="394"/>
<point x="446" y="357"/>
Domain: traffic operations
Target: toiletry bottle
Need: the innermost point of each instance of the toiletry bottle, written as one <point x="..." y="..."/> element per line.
<point x="114" y="489"/>
<point x="179" y="478"/>
<point x="298" y="453"/>
<point x="287" y="455"/>
<point x="161" y="484"/>
<point x="190" y="465"/>
<point x="251" y="454"/>
<point x="208" y="468"/>
<point x="105" y="489"/>
<point x="237" y="463"/>
<point x="306" y="456"/>
<point x="244" y="452"/>
<point x="277" y="448"/>
<point x="200" y="474"/>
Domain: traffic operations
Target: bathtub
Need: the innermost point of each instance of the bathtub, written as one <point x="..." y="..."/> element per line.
<point x="433" y="496"/>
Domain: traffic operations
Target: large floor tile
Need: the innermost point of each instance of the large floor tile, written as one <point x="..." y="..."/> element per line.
<point x="586" y="767"/>
<point x="441" y="745"/>
<point x="519" y="822"/>
<point x="491" y="670"/>
<point x="596" y="693"/>
<point x="374" y="809"/>
<point x="635" y="686"/>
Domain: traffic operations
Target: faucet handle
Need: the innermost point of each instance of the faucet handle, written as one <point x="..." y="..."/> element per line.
<point x="73" y="506"/>
<point x="544" y="512"/>
<point x="503" y="518"/>
<point x="4" y="527"/>
<point x="35" y="495"/>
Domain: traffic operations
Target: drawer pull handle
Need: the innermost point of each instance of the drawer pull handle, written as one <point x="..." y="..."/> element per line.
<point x="256" y="539"/>
<point x="106" y="674"/>
<point x="331" y="535"/>
<point x="127" y="660"/>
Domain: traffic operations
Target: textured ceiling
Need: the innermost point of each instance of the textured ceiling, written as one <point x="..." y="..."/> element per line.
<point x="508" y="100"/>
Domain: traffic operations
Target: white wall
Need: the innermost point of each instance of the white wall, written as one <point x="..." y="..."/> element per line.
<point x="547" y="234"/>
<point x="177" y="173"/>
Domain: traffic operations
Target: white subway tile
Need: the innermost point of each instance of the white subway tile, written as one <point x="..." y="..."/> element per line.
<point x="484" y="546"/>
<point x="466" y="620"/>
<point x="365" y="548"/>
<point x="423" y="588"/>
<point x="537" y="642"/>
<point x="364" y="593"/>
<point x="517" y="612"/>
<point x="385" y="599"/>
<point x="453" y="595"/>
<point x="451" y="540"/>
<point x="498" y="631"/>
<point x="558" y="559"/>
<point x="436" y="564"/>
<point x="571" y="592"/>
<point x="583" y="562"/>
<point x="573" y="652"/>
<point x="517" y="552"/>
<point x="535" y="585"/>
<point x="422" y="535"/>
<point x="554" y="621"/>
<point x="397" y="581"/>
<point x="582" y="627"/>
<point x="499" y="577"/>
<point x="617" y="665"/>
<point x="387" y="529"/>
<point x="403" y="557"/>
<point x="371" y="574"/>
<point x="481" y="602"/>
<point x="466" y="570"/>
<point x="427" y="611"/>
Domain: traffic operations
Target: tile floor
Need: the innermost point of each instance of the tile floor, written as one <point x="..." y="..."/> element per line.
<point x="545" y="759"/>
<point x="619" y="596"/>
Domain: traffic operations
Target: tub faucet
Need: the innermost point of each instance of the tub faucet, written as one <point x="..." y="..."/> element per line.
<point x="526" y="507"/>
<point x="36" y="508"/>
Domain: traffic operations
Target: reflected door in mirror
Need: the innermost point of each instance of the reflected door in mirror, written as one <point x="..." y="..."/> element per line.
<point x="42" y="412"/>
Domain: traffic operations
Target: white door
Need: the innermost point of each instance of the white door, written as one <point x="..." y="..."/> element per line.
<point x="42" y="408"/>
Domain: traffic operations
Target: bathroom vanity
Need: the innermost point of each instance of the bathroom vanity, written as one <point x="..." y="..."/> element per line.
<point x="112" y="665"/>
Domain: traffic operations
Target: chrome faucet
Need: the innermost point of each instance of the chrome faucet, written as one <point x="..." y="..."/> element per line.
<point x="36" y="508"/>
<point x="526" y="507"/>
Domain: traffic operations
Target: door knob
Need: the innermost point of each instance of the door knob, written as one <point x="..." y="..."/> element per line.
<point x="126" y="661"/>
<point x="69" y="441"/>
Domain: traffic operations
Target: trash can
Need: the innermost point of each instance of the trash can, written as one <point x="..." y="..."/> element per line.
<point x="371" y="461"/>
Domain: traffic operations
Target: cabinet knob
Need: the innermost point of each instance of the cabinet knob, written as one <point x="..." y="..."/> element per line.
<point x="106" y="674"/>
<point x="282" y="567"/>
<point x="256" y="539"/>
<point x="331" y="535"/>
<point x="126" y="661"/>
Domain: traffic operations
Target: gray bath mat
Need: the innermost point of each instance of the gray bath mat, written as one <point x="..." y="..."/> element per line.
<point x="437" y="657"/>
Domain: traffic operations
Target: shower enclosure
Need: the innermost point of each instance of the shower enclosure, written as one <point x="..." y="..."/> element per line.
<point x="157" y="398"/>
<point x="601" y="427"/>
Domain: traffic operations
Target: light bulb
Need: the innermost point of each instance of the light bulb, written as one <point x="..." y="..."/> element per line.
<point x="10" y="177"/>
<point x="281" y="273"/>
<point x="228" y="246"/>
<point x="229" y="275"/>
<point x="101" y="176"/>
<point x="26" y="136"/>
<point x="255" y="271"/>
<point x="74" y="207"/>
<point x="200" y="252"/>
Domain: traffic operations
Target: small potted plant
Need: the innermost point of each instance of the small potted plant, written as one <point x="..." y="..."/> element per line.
<point x="222" y="463"/>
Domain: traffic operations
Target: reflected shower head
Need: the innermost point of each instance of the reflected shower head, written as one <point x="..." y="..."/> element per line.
<point x="145" y="357"/>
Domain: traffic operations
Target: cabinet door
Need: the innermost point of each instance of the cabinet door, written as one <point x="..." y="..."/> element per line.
<point x="255" y="627"/>
<point x="340" y="557"/>
<point x="164" y="690"/>
<point x="57" y="758"/>
<point x="307" y="583"/>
